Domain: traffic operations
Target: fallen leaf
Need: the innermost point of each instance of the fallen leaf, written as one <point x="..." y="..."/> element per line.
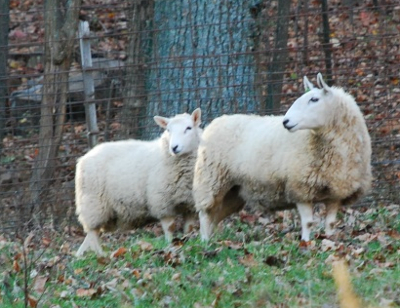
<point x="103" y="260"/>
<point x="328" y="245"/>
<point x="39" y="284"/>
<point x="46" y="241"/>
<point x="119" y="252"/>
<point x="176" y="277"/>
<point x="232" y="245"/>
<point x="136" y="273"/>
<point x="216" y="300"/>
<point x="86" y="292"/>
<point x="32" y="301"/>
<point x="145" y="246"/>
<point x="247" y="218"/>
<point x="248" y="260"/>
<point x="332" y="258"/>
<point x="28" y="240"/>
<point x="394" y="234"/>
<point x="16" y="266"/>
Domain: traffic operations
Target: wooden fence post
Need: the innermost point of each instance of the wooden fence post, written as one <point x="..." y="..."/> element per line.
<point x="88" y="83"/>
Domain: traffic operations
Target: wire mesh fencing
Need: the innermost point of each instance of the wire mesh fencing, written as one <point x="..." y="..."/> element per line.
<point x="165" y="57"/>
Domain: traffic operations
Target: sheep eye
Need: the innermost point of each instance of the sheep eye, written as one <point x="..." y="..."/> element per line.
<point x="314" y="99"/>
<point x="188" y="128"/>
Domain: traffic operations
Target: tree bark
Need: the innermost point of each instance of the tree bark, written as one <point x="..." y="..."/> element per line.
<point x="202" y="59"/>
<point x="61" y="22"/>
<point x="4" y="26"/>
<point x="140" y="17"/>
<point x="326" y="45"/>
<point x="279" y="57"/>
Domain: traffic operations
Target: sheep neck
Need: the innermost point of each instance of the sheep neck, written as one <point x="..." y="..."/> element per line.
<point x="327" y="143"/>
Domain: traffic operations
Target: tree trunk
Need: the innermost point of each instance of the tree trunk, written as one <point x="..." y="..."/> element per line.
<point x="279" y="57"/>
<point x="140" y="17"/>
<point x="326" y="45"/>
<point x="61" y="22"/>
<point x="201" y="58"/>
<point x="4" y="26"/>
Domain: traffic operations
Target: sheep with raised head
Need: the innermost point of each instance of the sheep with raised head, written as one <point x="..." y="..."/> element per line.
<point x="319" y="152"/>
<point x="128" y="184"/>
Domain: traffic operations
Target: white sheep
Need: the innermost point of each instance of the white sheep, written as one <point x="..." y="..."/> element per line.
<point x="321" y="153"/>
<point x="128" y="184"/>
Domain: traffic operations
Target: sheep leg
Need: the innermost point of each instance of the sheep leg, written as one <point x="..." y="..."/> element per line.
<point x="207" y="226"/>
<point x="92" y="241"/>
<point x="306" y="216"/>
<point x="190" y="221"/>
<point x="330" y="219"/>
<point x="168" y="225"/>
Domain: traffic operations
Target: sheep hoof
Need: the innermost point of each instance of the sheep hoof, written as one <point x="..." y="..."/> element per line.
<point x="91" y="242"/>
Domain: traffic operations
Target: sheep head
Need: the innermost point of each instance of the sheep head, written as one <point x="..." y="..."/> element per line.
<point x="313" y="109"/>
<point x="183" y="131"/>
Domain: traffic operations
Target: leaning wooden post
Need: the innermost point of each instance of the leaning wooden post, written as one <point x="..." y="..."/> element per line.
<point x="88" y="83"/>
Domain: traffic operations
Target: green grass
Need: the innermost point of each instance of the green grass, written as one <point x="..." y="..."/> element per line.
<point x="245" y="265"/>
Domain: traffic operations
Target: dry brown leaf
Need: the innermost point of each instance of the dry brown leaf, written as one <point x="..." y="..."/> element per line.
<point x="39" y="284"/>
<point x="119" y="252"/>
<point x="145" y="246"/>
<point x="394" y="234"/>
<point x="176" y="276"/>
<point x="332" y="258"/>
<point x="28" y="240"/>
<point x="32" y="301"/>
<point x="136" y="273"/>
<point x="248" y="218"/>
<point x="103" y="260"/>
<point x="16" y="266"/>
<point x="86" y="292"/>
<point x="328" y="245"/>
<point x="232" y="245"/>
<point x="248" y="260"/>
<point x="216" y="300"/>
<point x="46" y="241"/>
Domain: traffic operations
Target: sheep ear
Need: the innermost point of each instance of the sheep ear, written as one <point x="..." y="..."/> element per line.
<point x="161" y="121"/>
<point x="322" y="84"/>
<point x="196" y="116"/>
<point x="307" y="84"/>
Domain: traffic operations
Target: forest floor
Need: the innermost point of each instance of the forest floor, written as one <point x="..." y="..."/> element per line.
<point x="252" y="261"/>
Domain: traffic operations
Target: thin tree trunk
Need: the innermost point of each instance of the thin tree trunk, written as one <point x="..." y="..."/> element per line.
<point x="61" y="22"/>
<point x="140" y="17"/>
<point x="4" y="25"/>
<point x="305" y="34"/>
<point x="279" y="58"/>
<point x="326" y="45"/>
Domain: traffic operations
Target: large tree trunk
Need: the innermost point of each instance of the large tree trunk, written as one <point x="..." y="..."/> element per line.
<point x="4" y="25"/>
<point x="140" y="17"/>
<point x="278" y="62"/>
<point x="201" y="57"/>
<point x="61" y="22"/>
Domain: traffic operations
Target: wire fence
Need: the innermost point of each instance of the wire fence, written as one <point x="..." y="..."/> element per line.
<point x="166" y="57"/>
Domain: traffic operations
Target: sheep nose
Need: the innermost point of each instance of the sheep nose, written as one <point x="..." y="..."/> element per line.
<point x="285" y="122"/>
<point x="175" y="149"/>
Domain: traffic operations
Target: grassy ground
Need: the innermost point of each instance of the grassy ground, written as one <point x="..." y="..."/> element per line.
<point x="251" y="262"/>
